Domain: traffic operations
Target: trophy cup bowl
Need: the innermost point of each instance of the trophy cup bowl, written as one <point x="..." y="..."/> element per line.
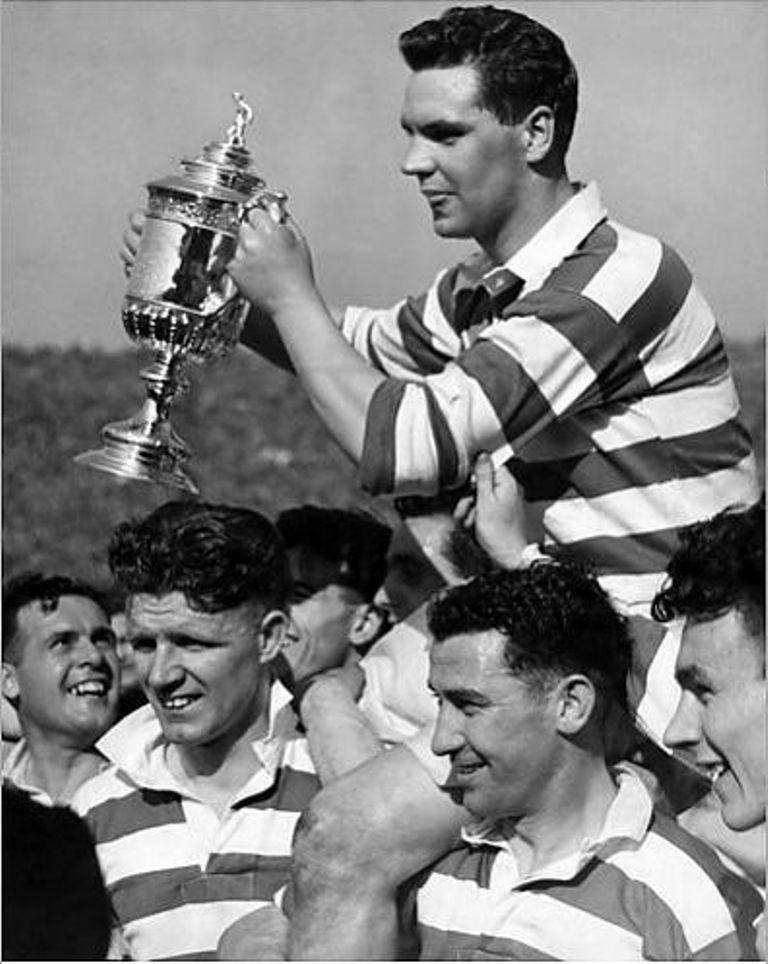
<point x="180" y="302"/>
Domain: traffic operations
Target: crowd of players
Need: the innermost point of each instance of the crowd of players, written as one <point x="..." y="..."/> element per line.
<point x="269" y="657"/>
<point x="527" y="722"/>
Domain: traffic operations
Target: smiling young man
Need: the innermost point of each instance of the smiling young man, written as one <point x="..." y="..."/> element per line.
<point x="60" y="672"/>
<point x="194" y="819"/>
<point x="717" y="582"/>
<point x="565" y="857"/>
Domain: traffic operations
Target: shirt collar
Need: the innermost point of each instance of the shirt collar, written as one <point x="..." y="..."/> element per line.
<point x="136" y="745"/>
<point x="17" y="767"/>
<point x="16" y="770"/>
<point x="551" y="244"/>
<point x="628" y="818"/>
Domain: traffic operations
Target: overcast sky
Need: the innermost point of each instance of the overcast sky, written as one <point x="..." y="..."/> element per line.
<point x="101" y="96"/>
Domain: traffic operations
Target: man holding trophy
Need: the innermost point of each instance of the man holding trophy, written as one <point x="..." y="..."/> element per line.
<point x="572" y="348"/>
<point x="575" y="350"/>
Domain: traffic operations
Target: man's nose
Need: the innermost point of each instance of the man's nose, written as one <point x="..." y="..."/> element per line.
<point x="417" y="159"/>
<point x="447" y="737"/>
<point x="88" y="652"/>
<point x="165" y="667"/>
<point x="684" y="729"/>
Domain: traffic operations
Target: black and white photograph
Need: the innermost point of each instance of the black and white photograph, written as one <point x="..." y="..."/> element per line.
<point x="383" y="468"/>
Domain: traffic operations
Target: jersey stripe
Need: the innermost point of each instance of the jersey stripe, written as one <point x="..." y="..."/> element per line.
<point x="645" y="463"/>
<point x="699" y="408"/>
<point x="377" y="465"/>
<point x="576" y="272"/>
<point x="416" y="339"/>
<point x="144" y="895"/>
<point x="520" y="409"/>
<point x="691" y="330"/>
<point x="685" y="891"/>
<point x="648" y="508"/>
<point x="183" y="932"/>
<point x="439" y="945"/>
<point x="625" y="276"/>
<point x="139" y="810"/>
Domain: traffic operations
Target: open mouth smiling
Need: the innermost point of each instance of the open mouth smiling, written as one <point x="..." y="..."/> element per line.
<point x="175" y="704"/>
<point x="90" y="687"/>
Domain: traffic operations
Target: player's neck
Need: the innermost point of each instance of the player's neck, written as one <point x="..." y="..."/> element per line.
<point x="541" y="200"/>
<point x="58" y="768"/>
<point x="217" y="770"/>
<point x="572" y="810"/>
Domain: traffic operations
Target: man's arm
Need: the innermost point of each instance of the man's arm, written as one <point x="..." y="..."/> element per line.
<point x="361" y="837"/>
<point x="339" y="736"/>
<point x="423" y="433"/>
<point x="260" y="334"/>
<point x="272" y="267"/>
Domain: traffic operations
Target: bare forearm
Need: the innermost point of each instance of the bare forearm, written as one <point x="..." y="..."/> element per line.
<point x="339" y="736"/>
<point x="363" y="836"/>
<point x="260" y="335"/>
<point x="337" y="380"/>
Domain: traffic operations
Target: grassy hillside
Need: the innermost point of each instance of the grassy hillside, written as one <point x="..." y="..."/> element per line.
<point x="254" y="437"/>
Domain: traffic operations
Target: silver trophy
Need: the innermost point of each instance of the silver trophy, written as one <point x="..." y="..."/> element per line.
<point x="180" y="301"/>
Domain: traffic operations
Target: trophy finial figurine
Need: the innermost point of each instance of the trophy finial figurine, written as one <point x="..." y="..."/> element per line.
<point x="180" y="301"/>
<point x="243" y="117"/>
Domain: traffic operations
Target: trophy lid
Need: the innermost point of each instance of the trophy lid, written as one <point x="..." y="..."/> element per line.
<point x="222" y="169"/>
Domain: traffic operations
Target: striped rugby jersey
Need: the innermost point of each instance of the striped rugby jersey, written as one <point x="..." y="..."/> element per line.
<point x="598" y="373"/>
<point x="177" y="875"/>
<point x="591" y="364"/>
<point x="645" y="889"/>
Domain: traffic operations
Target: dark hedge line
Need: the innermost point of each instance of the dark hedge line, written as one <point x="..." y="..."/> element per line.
<point x="255" y="439"/>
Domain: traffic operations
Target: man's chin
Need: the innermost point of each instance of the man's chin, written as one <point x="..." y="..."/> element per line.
<point x="742" y="814"/>
<point x="449" y="230"/>
<point x="181" y="734"/>
<point x="90" y="726"/>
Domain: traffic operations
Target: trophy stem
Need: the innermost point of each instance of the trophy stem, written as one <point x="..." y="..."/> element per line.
<point x="146" y="447"/>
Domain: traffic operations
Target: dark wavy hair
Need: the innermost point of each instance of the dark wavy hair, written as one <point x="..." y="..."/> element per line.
<point x="521" y="63"/>
<point x="556" y="620"/>
<point x="352" y="540"/>
<point x="28" y="587"/>
<point x="719" y="565"/>
<point x="219" y="556"/>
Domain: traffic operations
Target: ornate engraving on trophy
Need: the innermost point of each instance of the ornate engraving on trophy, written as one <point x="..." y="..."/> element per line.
<point x="180" y="302"/>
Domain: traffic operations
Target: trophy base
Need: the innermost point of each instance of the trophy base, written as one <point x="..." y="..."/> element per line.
<point x="138" y="461"/>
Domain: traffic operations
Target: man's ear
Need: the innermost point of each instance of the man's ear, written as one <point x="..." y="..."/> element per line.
<point x="272" y="634"/>
<point x="366" y="625"/>
<point x="10" y="683"/>
<point x="576" y="698"/>
<point x="539" y="133"/>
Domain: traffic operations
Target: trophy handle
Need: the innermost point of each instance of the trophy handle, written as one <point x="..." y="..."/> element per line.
<point x="273" y="202"/>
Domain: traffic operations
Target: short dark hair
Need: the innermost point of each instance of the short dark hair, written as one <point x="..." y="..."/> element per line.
<point x="57" y="907"/>
<point x="556" y="620"/>
<point x="719" y="565"/>
<point x="350" y="539"/>
<point x="28" y="587"/>
<point x="521" y="64"/>
<point x="219" y="556"/>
